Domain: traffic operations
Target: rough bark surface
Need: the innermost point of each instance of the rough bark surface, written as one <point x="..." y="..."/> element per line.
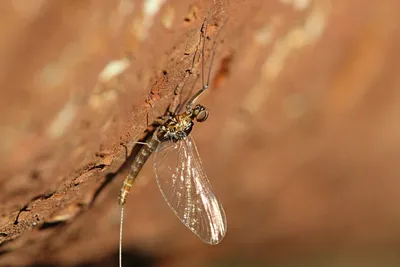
<point x="302" y="145"/>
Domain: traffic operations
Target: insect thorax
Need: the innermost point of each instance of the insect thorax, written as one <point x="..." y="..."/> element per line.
<point x="178" y="127"/>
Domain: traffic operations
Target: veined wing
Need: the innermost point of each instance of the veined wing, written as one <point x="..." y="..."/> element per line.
<point x="185" y="187"/>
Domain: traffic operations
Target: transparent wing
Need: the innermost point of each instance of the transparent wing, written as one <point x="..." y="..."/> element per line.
<point x="186" y="189"/>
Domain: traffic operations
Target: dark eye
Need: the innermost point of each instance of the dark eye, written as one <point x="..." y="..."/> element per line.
<point x="202" y="115"/>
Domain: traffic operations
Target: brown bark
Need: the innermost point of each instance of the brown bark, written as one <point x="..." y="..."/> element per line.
<point x="302" y="144"/>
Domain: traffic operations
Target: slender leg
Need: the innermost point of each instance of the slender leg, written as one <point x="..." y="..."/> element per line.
<point x="204" y="83"/>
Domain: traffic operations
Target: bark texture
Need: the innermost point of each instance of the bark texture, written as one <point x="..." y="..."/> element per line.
<point x="302" y="144"/>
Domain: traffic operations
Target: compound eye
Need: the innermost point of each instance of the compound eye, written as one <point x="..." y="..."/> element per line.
<point x="202" y="115"/>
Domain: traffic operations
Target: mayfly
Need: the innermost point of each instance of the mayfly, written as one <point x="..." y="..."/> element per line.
<point x="179" y="172"/>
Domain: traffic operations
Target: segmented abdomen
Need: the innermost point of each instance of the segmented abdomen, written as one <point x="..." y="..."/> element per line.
<point x="139" y="161"/>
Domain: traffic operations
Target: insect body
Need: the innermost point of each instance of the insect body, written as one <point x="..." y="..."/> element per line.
<point x="181" y="177"/>
<point x="174" y="129"/>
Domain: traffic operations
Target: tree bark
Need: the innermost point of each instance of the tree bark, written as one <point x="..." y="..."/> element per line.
<point x="301" y="146"/>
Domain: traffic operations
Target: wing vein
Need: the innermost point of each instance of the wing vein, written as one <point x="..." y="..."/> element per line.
<point x="186" y="189"/>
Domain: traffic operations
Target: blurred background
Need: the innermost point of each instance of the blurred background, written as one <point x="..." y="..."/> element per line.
<point x="301" y="146"/>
